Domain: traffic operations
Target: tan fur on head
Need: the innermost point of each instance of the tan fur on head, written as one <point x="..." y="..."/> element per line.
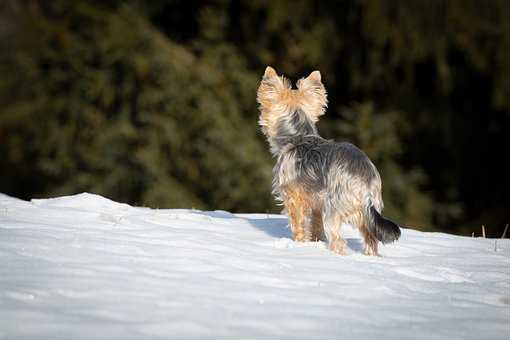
<point x="277" y="98"/>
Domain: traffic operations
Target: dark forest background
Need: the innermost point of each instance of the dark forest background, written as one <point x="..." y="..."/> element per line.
<point x="153" y="102"/>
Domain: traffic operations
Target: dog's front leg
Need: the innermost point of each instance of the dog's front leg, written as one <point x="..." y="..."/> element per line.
<point x="317" y="227"/>
<point x="296" y="219"/>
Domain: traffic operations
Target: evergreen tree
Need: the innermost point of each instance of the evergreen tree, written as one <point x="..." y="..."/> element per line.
<point x="109" y="105"/>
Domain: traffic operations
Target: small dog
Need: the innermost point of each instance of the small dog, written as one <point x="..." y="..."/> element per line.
<point x="322" y="184"/>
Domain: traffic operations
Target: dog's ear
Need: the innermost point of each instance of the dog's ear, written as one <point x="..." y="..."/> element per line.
<point x="269" y="95"/>
<point x="270" y="72"/>
<point x="314" y="98"/>
<point x="270" y="89"/>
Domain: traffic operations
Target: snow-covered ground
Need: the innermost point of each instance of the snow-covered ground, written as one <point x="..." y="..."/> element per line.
<point x="85" y="267"/>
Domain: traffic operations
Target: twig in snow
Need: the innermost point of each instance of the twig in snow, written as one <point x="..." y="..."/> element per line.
<point x="504" y="232"/>
<point x="473" y="234"/>
<point x="483" y="231"/>
<point x="496" y="244"/>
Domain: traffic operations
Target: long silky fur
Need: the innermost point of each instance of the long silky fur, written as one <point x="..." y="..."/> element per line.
<point x="322" y="183"/>
<point x="382" y="228"/>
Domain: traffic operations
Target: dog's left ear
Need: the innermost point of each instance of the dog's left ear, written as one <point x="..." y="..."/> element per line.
<point x="315" y="76"/>
<point x="314" y="96"/>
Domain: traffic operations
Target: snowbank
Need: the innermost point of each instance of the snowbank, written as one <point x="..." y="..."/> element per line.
<point x="82" y="267"/>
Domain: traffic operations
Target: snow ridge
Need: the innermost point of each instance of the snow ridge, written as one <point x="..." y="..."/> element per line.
<point x="83" y="266"/>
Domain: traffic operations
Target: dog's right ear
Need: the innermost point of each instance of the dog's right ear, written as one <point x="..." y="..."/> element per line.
<point x="270" y="89"/>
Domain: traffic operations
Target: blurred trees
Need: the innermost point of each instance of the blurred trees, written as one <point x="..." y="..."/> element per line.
<point x="97" y="99"/>
<point x="154" y="102"/>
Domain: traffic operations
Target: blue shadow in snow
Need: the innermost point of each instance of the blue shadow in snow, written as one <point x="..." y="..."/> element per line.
<point x="274" y="227"/>
<point x="355" y="244"/>
<point x="278" y="228"/>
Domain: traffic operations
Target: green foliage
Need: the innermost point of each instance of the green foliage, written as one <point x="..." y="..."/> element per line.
<point x="131" y="116"/>
<point x="154" y="102"/>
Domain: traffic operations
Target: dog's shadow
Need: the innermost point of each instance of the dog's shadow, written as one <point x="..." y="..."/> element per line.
<point x="278" y="227"/>
<point x="355" y="244"/>
<point x="273" y="226"/>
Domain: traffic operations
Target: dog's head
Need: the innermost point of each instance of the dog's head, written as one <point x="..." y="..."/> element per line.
<point x="278" y="101"/>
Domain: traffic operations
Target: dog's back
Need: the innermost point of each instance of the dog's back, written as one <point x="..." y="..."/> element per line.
<point x="317" y="164"/>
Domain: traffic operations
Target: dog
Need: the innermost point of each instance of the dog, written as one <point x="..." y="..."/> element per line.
<point x="322" y="184"/>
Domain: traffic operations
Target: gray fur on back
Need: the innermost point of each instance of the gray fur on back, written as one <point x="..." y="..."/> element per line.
<point x="321" y="166"/>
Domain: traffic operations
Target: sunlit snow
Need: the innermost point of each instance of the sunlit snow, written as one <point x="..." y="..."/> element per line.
<point x="85" y="267"/>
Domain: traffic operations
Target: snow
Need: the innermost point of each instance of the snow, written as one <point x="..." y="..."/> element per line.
<point x="83" y="266"/>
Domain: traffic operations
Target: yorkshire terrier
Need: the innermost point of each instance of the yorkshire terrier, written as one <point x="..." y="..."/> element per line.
<point x="322" y="184"/>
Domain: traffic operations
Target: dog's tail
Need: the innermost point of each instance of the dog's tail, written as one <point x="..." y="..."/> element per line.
<point x="381" y="228"/>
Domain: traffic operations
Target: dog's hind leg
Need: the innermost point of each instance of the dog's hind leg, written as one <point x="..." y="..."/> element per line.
<point x="357" y="219"/>
<point x="332" y="225"/>
<point x="369" y="240"/>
